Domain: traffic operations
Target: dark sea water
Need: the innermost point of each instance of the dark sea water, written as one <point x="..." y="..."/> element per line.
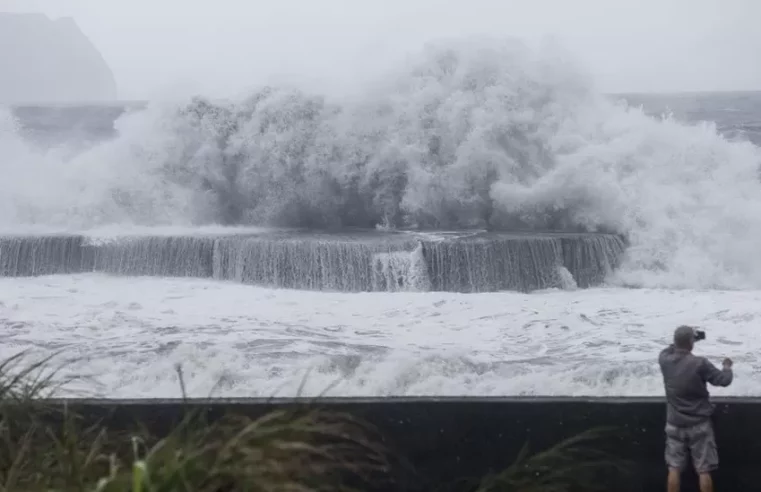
<point x="737" y="115"/>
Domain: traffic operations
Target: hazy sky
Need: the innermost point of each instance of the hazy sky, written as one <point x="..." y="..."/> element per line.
<point x="222" y="47"/>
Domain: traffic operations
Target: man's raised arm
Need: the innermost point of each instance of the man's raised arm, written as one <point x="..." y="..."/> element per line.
<point x="717" y="377"/>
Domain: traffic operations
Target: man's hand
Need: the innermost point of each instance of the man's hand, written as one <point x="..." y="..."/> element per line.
<point x="727" y="364"/>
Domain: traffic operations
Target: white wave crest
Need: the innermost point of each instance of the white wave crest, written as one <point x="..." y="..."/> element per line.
<point x="472" y="133"/>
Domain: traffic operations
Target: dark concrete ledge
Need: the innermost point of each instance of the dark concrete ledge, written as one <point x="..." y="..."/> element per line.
<point x="448" y="439"/>
<point x="386" y="400"/>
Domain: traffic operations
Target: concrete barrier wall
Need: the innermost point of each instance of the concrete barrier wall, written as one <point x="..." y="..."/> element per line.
<point x="351" y="262"/>
<point x="447" y="440"/>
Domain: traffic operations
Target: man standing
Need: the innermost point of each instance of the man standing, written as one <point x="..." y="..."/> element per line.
<point x="688" y="410"/>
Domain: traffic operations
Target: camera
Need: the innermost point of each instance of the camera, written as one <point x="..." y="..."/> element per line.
<point x="700" y="335"/>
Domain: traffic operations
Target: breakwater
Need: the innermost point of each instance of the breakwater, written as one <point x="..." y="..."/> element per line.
<point x="346" y="261"/>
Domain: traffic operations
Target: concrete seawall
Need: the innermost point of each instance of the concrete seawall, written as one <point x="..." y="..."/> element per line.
<point x="347" y="262"/>
<point x="448" y="440"/>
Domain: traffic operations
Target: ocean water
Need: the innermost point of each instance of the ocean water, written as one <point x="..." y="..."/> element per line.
<point x="486" y="135"/>
<point x="124" y="336"/>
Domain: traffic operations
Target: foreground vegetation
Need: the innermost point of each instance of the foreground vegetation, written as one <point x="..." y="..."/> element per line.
<point x="53" y="448"/>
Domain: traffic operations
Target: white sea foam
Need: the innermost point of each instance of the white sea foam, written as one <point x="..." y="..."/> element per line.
<point x="126" y="334"/>
<point x="469" y="133"/>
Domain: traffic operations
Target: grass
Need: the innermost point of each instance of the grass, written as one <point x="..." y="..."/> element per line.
<point x="46" y="447"/>
<point x="580" y="462"/>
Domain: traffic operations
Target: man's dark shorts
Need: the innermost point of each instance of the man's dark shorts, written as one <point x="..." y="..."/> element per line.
<point x="698" y="442"/>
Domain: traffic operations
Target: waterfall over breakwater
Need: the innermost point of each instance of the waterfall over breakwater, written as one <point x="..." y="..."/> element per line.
<point x="523" y="263"/>
<point x="357" y="262"/>
<point x="43" y="255"/>
<point x="343" y="264"/>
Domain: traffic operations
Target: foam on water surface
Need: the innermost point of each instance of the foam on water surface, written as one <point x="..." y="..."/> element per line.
<point x="126" y="334"/>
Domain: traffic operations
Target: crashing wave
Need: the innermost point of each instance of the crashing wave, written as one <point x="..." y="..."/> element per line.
<point x="485" y="134"/>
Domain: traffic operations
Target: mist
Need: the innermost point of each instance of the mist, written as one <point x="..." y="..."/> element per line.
<point x="160" y="50"/>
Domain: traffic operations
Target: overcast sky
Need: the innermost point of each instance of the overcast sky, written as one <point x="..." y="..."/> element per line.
<point x="222" y="47"/>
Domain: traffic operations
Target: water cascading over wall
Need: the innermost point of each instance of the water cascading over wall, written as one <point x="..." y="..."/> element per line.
<point x="338" y="263"/>
<point x="479" y="265"/>
<point x="521" y="262"/>
<point x="591" y="257"/>
<point x="24" y="256"/>
<point x="360" y="262"/>
<point x="173" y="256"/>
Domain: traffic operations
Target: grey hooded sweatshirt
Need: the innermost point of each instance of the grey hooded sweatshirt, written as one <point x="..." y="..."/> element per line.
<point x="685" y="376"/>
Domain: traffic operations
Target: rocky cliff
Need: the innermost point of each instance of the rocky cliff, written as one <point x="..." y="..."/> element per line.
<point x="50" y="61"/>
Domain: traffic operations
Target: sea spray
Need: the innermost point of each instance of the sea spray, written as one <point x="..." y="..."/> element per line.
<point x="484" y="134"/>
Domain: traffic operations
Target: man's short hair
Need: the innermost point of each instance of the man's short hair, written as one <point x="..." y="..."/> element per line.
<point x="684" y="337"/>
